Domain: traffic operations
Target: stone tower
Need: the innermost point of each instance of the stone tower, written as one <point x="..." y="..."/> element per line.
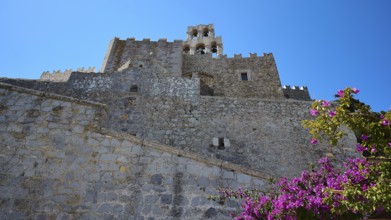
<point x="201" y="39"/>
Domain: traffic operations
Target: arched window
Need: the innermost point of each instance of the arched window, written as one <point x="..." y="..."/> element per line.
<point x="186" y="49"/>
<point x="213" y="47"/>
<point x="194" y="33"/>
<point x="205" y="33"/>
<point x="200" y="49"/>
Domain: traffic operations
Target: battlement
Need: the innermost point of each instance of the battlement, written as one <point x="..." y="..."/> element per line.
<point x="121" y="51"/>
<point x="59" y="76"/>
<point x="148" y="40"/>
<point x="296" y="92"/>
<point x="250" y="55"/>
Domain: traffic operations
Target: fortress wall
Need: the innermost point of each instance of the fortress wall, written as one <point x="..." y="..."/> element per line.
<point x="263" y="79"/>
<point x="265" y="135"/>
<point x="44" y="86"/>
<point x="56" y="76"/>
<point x="167" y="55"/>
<point x="54" y="166"/>
<point x="113" y="55"/>
<point x="296" y="92"/>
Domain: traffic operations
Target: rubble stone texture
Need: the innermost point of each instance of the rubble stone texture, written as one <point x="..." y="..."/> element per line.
<point x="161" y="127"/>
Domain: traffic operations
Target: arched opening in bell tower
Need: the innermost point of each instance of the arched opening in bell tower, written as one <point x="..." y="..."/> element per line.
<point x="194" y="33"/>
<point x="200" y="49"/>
<point x="186" y="49"/>
<point x="205" y="32"/>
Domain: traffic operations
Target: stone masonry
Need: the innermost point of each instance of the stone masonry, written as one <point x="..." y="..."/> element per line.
<point x="161" y="127"/>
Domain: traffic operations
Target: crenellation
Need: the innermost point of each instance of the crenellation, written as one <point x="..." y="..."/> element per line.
<point x="296" y="92"/>
<point x="59" y="76"/>
<point x="162" y="40"/>
<point x="236" y="56"/>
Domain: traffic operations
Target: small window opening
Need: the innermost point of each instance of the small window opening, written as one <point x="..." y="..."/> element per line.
<point x="221" y="144"/>
<point x="200" y="49"/>
<point x="186" y="49"/>
<point x="214" y="49"/>
<point x="195" y="34"/>
<point x="206" y="33"/>
<point x="133" y="88"/>
<point x="140" y="65"/>
<point x="244" y="76"/>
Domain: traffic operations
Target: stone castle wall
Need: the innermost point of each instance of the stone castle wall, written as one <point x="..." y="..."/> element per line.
<point x="151" y="135"/>
<point x="54" y="165"/>
<point x="166" y="55"/>
<point x="260" y="134"/>
<point x="263" y="134"/>
<point x="224" y="75"/>
<point x="296" y="92"/>
<point x="59" y="76"/>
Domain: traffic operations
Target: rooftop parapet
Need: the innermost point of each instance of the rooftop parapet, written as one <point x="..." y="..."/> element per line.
<point x="59" y="76"/>
<point x="296" y="92"/>
<point x="148" y="40"/>
<point x="250" y="56"/>
<point x="295" y="87"/>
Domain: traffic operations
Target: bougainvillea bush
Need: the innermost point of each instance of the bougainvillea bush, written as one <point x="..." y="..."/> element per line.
<point x="361" y="189"/>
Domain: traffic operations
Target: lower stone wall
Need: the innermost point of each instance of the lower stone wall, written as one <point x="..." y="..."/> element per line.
<point x="260" y="134"/>
<point x="54" y="165"/>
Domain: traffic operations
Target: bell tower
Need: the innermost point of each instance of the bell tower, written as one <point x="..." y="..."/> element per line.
<point x="201" y="39"/>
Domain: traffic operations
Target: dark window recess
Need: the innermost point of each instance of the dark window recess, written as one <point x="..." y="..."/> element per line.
<point x="214" y="49"/>
<point x="133" y="88"/>
<point x="195" y="33"/>
<point x="186" y="50"/>
<point x="244" y="76"/>
<point x="221" y="144"/>
<point x="200" y="49"/>
<point x="206" y="33"/>
<point x="205" y="89"/>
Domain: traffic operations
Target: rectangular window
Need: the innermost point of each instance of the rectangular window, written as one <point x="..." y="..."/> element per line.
<point x="221" y="144"/>
<point x="244" y="76"/>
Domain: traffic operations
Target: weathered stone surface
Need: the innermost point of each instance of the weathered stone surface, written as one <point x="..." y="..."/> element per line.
<point x="172" y="129"/>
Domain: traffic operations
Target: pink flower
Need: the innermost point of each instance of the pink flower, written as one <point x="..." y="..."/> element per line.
<point x="360" y="148"/>
<point x="314" y="141"/>
<point x="381" y="116"/>
<point x="332" y="114"/>
<point x="373" y="150"/>
<point x="385" y="122"/>
<point x="364" y="137"/>
<point x="340" y="93"/>
<point x="389" y="143"/>
<point x="325" y="103"/>
<point x="314" y="112"/>
<point x="355" y="90"/>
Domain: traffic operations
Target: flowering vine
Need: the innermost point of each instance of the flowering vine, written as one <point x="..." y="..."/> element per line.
<point x="361" y="189"/>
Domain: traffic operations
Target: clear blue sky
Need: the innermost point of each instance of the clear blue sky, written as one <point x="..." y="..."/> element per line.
<point x="323" y="44"/>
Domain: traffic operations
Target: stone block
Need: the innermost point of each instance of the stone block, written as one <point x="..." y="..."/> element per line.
<point x="150" y="199"/>
<point x="156" y="179"/>
<point x="105" y="207"/>
<point x="166" y="199"/>
<point x="106" y="197"/>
